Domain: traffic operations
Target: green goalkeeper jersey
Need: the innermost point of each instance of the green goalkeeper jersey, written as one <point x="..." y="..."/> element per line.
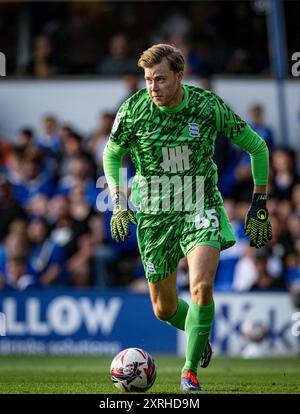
<point x="172" y="150"/>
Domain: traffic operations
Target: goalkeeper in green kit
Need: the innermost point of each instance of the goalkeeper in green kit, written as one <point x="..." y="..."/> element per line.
<point x="169" y="129"/>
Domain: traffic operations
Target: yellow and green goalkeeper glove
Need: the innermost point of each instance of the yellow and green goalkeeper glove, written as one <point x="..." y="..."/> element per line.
<point x="257" y="225"/>
<point x="119" y="224"/>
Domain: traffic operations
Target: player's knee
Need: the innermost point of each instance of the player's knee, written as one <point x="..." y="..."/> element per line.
<point x="163" y="313"/>
<point x="201" y="291"/>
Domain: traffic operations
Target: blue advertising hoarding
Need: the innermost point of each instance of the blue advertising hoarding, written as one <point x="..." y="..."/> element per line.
<point x="99" y="322"/>
<point x="81" y="322"/>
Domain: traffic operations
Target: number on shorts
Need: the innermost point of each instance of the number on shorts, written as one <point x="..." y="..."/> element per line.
<point x="209" y="219"/>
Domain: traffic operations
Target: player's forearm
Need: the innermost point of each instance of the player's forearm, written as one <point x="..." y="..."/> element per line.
<point x="112" y="164"/>
<point x="259" y="154"/>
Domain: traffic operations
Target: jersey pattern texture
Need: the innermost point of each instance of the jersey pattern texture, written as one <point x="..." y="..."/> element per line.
<point x="170" y="148"/>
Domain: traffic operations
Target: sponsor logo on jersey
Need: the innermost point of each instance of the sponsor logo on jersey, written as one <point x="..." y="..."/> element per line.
<point x="116" y="123"/>
<point x="176" y="159"/>
<point x="194" y="130"/>
<point x="150" y="267"/>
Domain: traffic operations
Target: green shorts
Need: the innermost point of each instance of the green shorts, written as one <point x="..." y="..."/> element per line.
<point x="164" y="240"/>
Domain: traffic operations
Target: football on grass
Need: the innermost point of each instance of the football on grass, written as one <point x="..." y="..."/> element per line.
<point x="133" y="370"/>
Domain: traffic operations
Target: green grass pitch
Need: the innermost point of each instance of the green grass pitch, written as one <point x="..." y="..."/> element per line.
<point x="89" y="375"/>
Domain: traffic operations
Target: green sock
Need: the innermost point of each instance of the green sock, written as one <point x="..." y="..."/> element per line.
<point x="198" y="324"/>
<point x="178" y="319"/>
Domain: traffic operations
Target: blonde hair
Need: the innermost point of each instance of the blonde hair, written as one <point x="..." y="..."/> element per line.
<point x="155" y="54"/>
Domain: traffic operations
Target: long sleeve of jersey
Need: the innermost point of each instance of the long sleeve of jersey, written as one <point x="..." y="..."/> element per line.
<point x="112" y="163"/>
<point x="117" y="146"/>
<point x="256" y="147"/>
<point x="241" y="134"/>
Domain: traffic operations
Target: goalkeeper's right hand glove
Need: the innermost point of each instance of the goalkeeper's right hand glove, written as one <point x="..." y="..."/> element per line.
<point x="119" y="224"/>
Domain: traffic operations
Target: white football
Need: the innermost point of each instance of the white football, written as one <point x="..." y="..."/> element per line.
<point x="133" y="370"/>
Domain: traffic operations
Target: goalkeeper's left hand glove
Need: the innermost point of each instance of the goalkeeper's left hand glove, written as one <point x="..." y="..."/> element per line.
<point x="257" y="223"/>
<point x="122" y="215"/>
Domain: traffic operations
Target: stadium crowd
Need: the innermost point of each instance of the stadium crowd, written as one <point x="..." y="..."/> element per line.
<point x="53" y="234"/>
<point x="49" y="39"/>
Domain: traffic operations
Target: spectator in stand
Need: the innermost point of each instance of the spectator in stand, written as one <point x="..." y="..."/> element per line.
<point x="293" y="226"/>
<point x="254" y="272"/>
<point x="119" y="60"/>
<point x="37" y="206"/>
<point x="81" y="211"/>
<point x="73" y="146"/>
<point x="279" y="247"/>
<point x="245" y="273"/>
<point x="284" y="175"/>
<point x="80" y="208"/>
<point x="73" y="235"/>
<point x="132" y="83"/>
<point x="194" y="62"/>
<point x="19" y="227"/>
<point x="243" y="182"/>
<point x="258" y="124"/>
<point x="25" y="137"/>
<point x="92" y="262"/>
<point x="99" y="139"/>
<point x="296" y="199"/>
<point x="104" y="256"/>
<point x="43" y="64"/>
<point x="49" y="140"/>
<point x="64" y="132"/>
<point x="46" y="257"/>
<point x="32" y="179"/>
<point x="13" y="165"/>
<point x="292" y="276"/>
<point x="238" y="61"/>
<point x="65" y="230"/>
<point x="10" y="209"/>
<point x="60" y="221"/>
<point x="6" y="154"/>
<point x="284" y="210"/>
<point x="79" y="173"/>
<point x="175" y="22"/>
<point x="79" y="265"/>
<point x="15" y="246"/>
<point x="293" y="260"/>
<point x="264" y="279"/>
<point x="18" y="276"/>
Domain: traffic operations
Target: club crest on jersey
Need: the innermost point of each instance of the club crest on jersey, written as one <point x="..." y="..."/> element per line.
<point x="194" y="130"/>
